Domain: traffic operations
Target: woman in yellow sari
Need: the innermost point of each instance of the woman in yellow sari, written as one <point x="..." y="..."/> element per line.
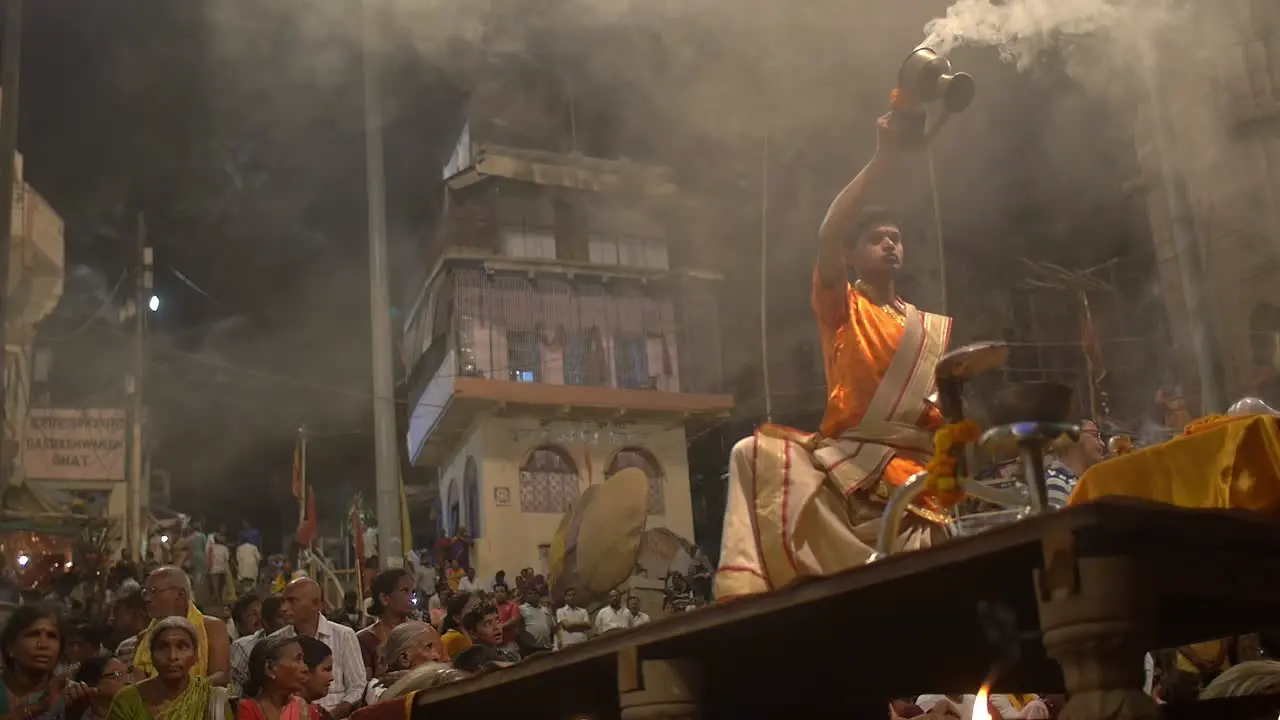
<point x="172" y="693"/>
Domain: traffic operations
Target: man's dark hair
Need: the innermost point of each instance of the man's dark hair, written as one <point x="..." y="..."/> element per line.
<point x="871" y="217"/>
<point x="472" y="620"/>
<point x="241" y="606"/>
<point x="91" y="670"/>
<point x="271" y="607"/>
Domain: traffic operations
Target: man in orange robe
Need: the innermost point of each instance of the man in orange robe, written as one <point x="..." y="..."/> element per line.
<point x="809" y="504"/>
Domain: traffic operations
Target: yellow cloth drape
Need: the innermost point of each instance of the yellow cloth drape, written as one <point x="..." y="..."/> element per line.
<point x="455" y="641"/>
<point x="1230" y="463"/>
<point x="142" y="656"/>
<point x="1207" y="649"/>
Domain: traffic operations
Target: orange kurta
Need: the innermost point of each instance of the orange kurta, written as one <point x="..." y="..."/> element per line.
<point x="859" y="340"/>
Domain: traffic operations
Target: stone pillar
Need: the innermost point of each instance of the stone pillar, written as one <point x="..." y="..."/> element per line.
<point x="659" y="689"/>
<point x="1093" y="615"/>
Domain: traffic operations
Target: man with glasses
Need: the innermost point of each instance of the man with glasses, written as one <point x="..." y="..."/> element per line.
<point x="1070" y="460"/>
<point x="167" y="593"/>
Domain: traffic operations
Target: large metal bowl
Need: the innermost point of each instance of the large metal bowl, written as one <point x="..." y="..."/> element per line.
<point x="1030" y="402"/>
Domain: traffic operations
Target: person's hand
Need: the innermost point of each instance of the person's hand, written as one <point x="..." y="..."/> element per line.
<point x="888" y="138"/>
<point x="62" y="686"/>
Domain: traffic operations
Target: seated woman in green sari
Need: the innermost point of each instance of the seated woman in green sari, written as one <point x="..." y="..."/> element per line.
<point x="172" y="693"/>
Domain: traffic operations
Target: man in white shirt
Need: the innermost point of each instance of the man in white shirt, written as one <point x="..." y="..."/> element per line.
<point x="638" y="616"/>
<point x="573" y="623"/>
<point x="303" y="606"/>
<point x="468" y="582"/>
<point x="612" y="616"/>
<point x="537" y="625"/>
<point x="424" y="577"/>
<point x="219" y="568"/>
<point x="248" y="558"/>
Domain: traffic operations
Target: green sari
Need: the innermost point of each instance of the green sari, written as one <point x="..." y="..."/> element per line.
<point x="200" y="701"/>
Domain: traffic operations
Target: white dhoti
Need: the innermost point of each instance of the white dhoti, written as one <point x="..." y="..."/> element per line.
<point x="799" y="505"/>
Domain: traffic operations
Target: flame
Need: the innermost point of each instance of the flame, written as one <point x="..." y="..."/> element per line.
<point x="980" y="711"/>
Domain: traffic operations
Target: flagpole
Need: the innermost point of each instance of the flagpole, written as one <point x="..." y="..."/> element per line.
<point x="302" y="474"/>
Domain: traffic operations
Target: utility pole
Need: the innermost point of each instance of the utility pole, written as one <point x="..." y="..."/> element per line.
<point x="135" y="533"/>
<point x="302" y="474"/>
<point x="10" y="76"/>
<point x="764" y="278"/>
<point x="386" y="456"/>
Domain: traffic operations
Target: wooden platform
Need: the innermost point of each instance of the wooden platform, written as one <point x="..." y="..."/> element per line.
<point x="909" y="624"/>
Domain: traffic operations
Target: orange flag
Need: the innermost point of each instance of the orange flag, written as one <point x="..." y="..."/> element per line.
<point x="308" y="531"/>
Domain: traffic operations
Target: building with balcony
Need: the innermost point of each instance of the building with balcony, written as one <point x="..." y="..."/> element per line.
<point x="553" y="343"/>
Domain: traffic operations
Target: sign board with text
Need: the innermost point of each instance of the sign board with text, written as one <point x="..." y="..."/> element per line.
<point x="64" y="444"/>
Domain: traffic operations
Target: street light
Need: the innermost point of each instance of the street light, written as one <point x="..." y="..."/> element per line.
<point x="154" y="303"/>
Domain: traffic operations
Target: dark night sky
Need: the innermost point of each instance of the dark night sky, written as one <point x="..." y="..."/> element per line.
<point x="124" y="110"/>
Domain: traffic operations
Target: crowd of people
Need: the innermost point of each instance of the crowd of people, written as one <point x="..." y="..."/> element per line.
<point x="280" y="656"/>
<point x="273" y="653"/>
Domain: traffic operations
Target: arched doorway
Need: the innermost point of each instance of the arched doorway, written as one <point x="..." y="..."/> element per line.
<point x="634" y="457"/>
<point x="471" y="497"/>
<point x="455" y="509"/>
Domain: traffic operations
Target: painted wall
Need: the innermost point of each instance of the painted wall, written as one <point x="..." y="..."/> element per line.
<point x="508" y="538"/>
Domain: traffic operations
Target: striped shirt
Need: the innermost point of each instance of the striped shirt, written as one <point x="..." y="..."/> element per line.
<point x="240" y="650"/>
<point x="1059" y="483"/>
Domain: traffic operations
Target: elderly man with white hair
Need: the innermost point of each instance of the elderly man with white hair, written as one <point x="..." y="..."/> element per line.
<point x="168" y="593"/>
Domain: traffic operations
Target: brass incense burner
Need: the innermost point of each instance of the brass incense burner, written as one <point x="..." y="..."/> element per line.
<point x="1024" y="417"/>
<point x="926" y="78"/>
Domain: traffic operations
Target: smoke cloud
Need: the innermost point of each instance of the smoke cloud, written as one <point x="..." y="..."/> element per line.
<point x="1022" y="30"/>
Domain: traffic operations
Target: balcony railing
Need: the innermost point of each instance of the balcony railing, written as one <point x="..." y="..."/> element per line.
<point x="659" y="335"/>
<point x="651" y="336"/>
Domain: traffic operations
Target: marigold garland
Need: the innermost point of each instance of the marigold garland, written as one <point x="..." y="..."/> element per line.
<point x="941" y="478"/>
<point x="1211" y="422"/>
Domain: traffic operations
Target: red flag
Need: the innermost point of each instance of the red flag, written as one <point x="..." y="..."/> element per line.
<point x="308" y="531"/>
<point x="297" y="470"/>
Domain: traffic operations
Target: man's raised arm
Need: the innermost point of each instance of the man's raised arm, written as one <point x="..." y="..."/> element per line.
<point x="843" y="212"/>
